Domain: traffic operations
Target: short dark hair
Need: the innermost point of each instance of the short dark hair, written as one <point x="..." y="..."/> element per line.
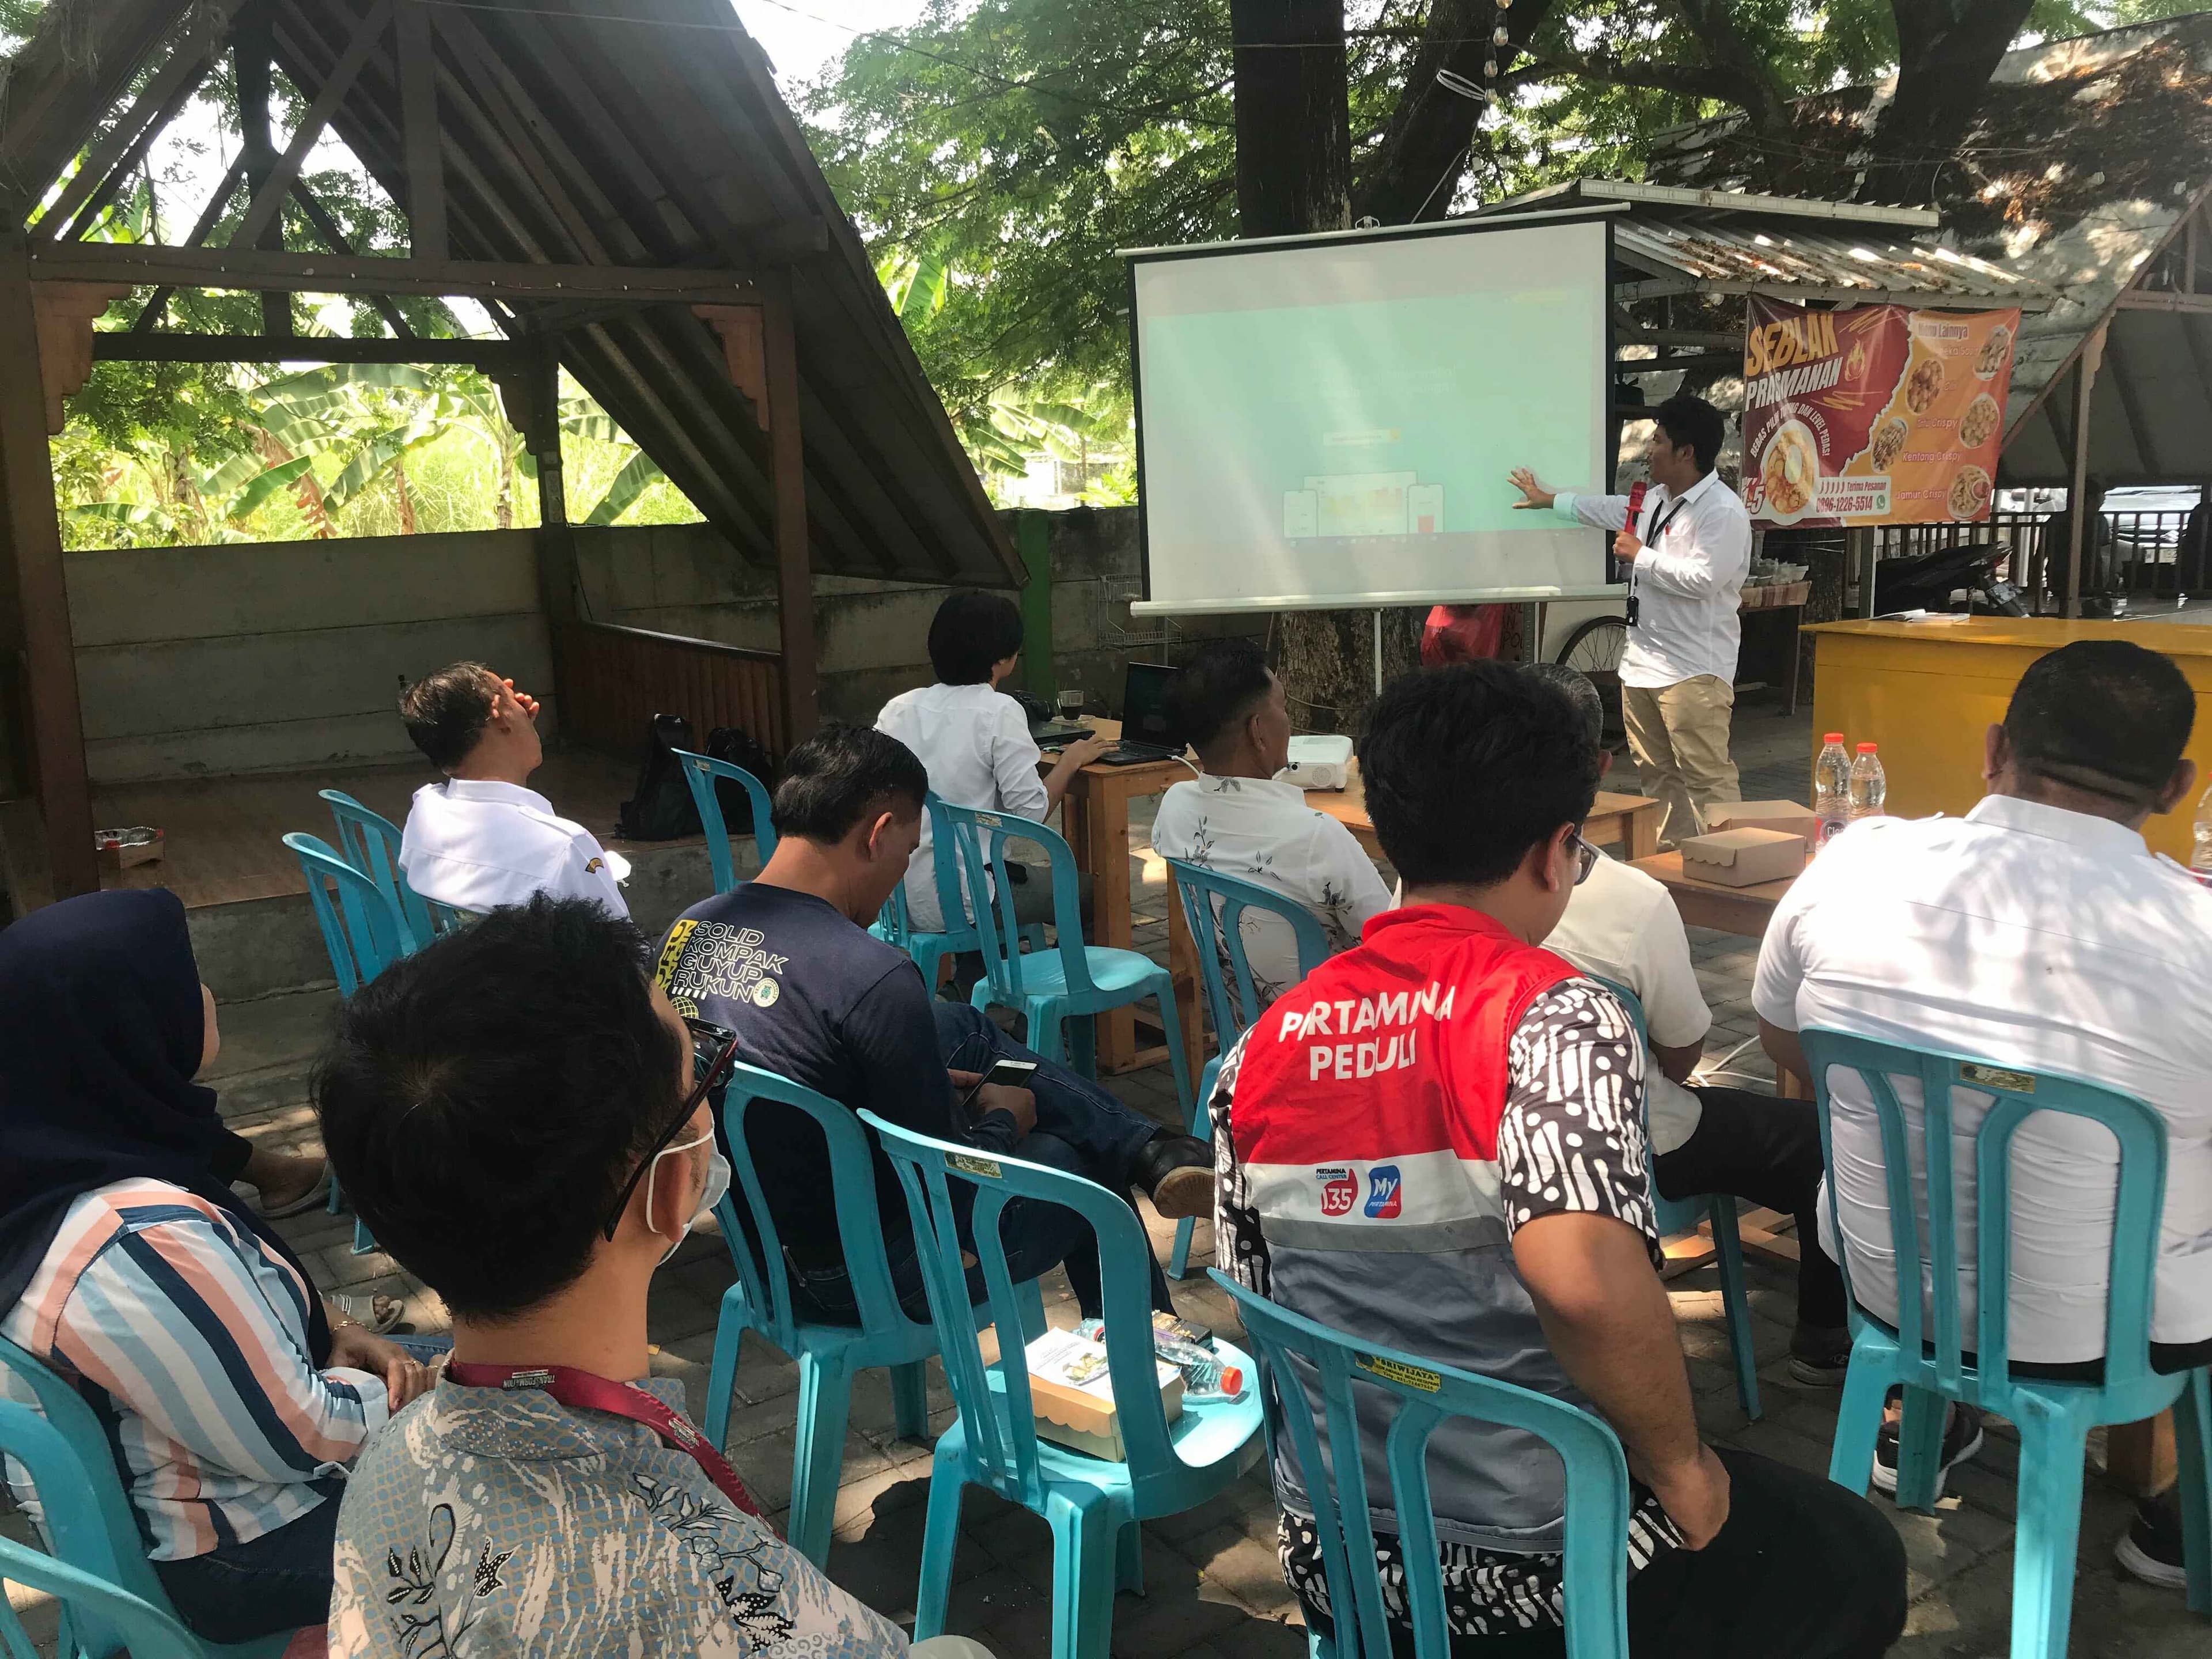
<point x="841" y="774"/>
<point x="1579" y="691"/>
<point x="484" y="1099"/>
<point x="1469" y="765"/>
<point x="447" y="712"/>
<point x="1220" y="685"/>
<point x="1692" y="421"/>
<point x="2103" y="715"/>
<point x="970" y="632"/>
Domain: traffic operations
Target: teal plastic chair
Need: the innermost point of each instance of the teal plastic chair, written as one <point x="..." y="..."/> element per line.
<point x="1057" y="988"/>
<point x="1093" y="1506"/>
<point x="895" y="926"/>
<point x="1214" y="906"/>
<point x="370" y="843"/>
<point x="1928" y="1355"/>
<point x="827" y="1355"/>
<point x="700" y="772"/>
<point x="91" y="1532"/>
<point x="1596" y="1569"/>
<point x="1682" y="1215"/>
<point x="364" y="933"/>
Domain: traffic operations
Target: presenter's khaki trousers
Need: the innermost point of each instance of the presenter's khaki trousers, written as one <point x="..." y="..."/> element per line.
<point x="1679" y="734"/>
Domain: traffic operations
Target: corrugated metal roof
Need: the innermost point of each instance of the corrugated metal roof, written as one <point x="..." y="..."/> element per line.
<point x="1723" y="241"/>
<point x="2083" y="160"/>
<point x="638" y="133"/>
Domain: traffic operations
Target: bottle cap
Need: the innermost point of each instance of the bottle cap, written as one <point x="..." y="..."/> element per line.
<point x="1833" y="736"/>
<point x="1232" y="1380"/>
<point x="1866" y="748"/>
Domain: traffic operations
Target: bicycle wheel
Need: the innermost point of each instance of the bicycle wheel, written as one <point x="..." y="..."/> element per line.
<point x="1596" y="648"/>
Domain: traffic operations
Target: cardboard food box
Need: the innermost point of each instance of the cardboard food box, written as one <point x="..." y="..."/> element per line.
<point x="1071" y="1394"/>
<point x="1743" y="858"/>
<point x="1784" y="815"/>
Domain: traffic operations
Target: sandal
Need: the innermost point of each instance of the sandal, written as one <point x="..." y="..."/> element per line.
<point x="362" y="1310"/>
<point x="313" y="1198"/>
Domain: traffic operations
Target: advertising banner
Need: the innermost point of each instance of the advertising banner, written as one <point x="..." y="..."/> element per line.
<point x="1875" y="415"/>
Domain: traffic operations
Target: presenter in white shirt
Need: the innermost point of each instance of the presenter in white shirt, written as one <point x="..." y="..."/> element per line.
<point x="974" y="740"/>
<point x="1238" y="820"/>
<point x="1688" y="553"/>
<point x="481" y="839"/>
<point x="2038" y="931"/>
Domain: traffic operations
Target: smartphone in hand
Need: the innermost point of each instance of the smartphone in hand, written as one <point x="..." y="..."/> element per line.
<point x="1006" y="1073"/>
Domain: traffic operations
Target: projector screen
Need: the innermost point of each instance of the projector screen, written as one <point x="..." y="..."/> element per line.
<point x="1328" y="422"/>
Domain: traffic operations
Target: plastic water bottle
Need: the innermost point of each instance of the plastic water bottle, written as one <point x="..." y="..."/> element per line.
<point x="1869" y="788"/>
<point x="2200" y="857"/>
<point x="1831" y="786"/>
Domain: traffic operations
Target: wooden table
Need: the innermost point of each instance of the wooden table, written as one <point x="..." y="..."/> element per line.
<point x="1095" y="821"/>
<point x="1745" y="910"/>
<point x="1628" y="822"/>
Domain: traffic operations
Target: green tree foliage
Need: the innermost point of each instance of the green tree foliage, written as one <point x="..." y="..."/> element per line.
<point x="999" y="152"/>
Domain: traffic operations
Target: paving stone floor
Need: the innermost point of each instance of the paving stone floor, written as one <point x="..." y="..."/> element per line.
<point x="1212" y="1588"/>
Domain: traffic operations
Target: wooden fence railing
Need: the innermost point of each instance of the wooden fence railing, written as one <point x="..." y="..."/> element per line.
<point x="615" y="679"/>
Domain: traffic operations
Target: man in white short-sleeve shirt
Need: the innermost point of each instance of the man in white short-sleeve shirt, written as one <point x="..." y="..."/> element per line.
<point x="1238" y="820"/>
<point x="974" y="741"/>
<point x="1687" y="552"/>
<point x="2036" y="932"/>
<point x="481" y="838"/>
<point x="1622" y="925"/>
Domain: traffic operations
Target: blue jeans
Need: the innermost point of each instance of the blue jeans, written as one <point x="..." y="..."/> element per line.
<point x="1080" y="1128"/>
<point x="277" y="1582"/>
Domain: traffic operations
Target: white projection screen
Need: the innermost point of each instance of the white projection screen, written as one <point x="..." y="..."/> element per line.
<point x="1327" y="422"/>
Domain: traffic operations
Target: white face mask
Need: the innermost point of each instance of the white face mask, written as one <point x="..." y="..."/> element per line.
<point x="718" y="1183"/>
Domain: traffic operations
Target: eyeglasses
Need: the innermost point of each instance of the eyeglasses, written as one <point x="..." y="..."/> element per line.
<point x="713" y="1055"/>
<point x="1586" y="855"/>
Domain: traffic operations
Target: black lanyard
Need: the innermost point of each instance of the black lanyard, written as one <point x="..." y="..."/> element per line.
<point x="1659" y="529"/>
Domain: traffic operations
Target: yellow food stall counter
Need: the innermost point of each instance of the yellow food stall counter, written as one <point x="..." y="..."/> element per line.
<point x="1926" y="692"/>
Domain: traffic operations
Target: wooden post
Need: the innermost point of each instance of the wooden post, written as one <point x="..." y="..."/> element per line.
<point x="2078" y="492"/>
<point x="253" y="45"/>
<point x="795" y="574"/>
<point x="530" y="394"/>
<point x="34" y="614"/>
<point x="418" y="120"/>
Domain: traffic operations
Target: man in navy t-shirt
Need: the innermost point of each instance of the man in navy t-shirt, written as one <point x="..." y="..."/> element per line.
<point x="786" y="961"/>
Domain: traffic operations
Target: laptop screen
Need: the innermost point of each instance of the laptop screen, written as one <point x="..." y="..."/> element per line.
<point x="1145" y="707"/>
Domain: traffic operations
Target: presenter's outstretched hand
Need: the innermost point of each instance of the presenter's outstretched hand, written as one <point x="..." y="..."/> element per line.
<point x="1532" y="493"/>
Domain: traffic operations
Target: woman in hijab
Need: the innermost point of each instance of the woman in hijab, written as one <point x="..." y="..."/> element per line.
<point x="234" y="1396"/>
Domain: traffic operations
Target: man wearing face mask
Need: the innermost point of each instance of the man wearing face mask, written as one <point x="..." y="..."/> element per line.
<point x="523" y="1119"/>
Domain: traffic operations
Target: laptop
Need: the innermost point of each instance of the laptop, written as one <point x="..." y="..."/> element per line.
<point x="1149" y="729"/>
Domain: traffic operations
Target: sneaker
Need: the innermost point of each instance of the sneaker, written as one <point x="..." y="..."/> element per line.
<point x="1818" y="1356"/>
<point x="1176" y="1173"/>
<point x="2151" y="1549"/>
<point x="1962" y="1438"/>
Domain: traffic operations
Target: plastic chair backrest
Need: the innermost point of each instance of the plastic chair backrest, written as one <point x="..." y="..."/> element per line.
<point x="1001" y="1424"/>
<point x="894" y="923"/>
<point x="851" y="1191"/>
<point x="701" y="771"/>
<point x="370" y="843"/>
<point x="88" y="1603"/>
<point x="980" y="839"/>
<point x="2016" y="1094"/>
<point x="372" y="935"/>
<point x="85" y="1514"/>
<point x="1215" y="904"/>
<point x="1596" y="1570"/>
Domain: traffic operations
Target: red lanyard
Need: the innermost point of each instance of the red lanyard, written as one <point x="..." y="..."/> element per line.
<point x="583" y="1391"/>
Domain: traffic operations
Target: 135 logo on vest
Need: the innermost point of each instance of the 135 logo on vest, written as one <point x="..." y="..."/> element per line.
<point x="1338" y="1188"/>
<point x="1385" y="1196"/>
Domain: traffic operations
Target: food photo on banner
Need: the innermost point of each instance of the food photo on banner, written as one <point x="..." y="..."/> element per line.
<point x="1873" y="415"/>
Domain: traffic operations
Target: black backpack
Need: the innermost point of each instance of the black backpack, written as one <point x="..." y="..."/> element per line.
<point x="738" y="746"/>
<point x="661" y="809"/>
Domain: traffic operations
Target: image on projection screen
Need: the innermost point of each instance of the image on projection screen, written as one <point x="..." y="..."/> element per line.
<point x="1333" y="422"/>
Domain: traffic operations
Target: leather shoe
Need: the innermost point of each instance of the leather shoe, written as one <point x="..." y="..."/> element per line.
<point x="1176" y="1173"/>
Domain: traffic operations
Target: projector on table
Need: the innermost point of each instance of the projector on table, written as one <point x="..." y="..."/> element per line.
<point x="1318" y="762"/>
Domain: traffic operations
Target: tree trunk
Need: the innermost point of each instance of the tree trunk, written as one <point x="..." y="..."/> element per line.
<point x="405" y="500"/>
<point x="502" y="506"/>
<point x="1947" y="52"/>
<point x="1294" y="174"/>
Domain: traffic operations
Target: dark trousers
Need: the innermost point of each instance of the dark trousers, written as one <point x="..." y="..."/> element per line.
<point x="1800" y="1567"/>
<point x="1080" y="1128"/>
<point x="277" y="1581"/>
<point x="1767" y="1150"/>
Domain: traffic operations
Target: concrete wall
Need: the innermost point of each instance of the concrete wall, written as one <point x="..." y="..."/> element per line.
<point x="267" y="656"/>
<point x="272" y="656"/>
